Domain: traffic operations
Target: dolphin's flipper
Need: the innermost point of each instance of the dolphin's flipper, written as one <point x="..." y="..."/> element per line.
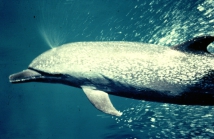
<point x="100" y="100"/>
<point x="196" y="45"/>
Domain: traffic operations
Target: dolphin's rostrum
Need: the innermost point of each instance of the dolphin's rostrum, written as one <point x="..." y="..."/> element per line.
<point x="181" y="74"/>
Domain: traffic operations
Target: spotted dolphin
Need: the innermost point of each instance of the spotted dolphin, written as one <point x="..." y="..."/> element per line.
<point x="181" y="74"/>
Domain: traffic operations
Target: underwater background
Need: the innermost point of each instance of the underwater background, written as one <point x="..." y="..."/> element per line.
<point x="53" y="111"/>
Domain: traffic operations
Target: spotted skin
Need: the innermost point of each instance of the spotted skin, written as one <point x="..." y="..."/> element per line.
<point x="183" y="74"/>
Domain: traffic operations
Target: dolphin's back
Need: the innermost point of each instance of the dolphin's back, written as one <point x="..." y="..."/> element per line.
<point x="135" y="65"/>
<point x="91" y="54"/>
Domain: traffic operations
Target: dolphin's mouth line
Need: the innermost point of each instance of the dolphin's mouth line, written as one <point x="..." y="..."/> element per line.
<point x="30" y="75"/>
<point x="33" y="75"/>
<point x="25" y="76"/>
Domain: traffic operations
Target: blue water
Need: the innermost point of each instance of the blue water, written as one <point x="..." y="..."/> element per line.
<point x="42" y="111"/>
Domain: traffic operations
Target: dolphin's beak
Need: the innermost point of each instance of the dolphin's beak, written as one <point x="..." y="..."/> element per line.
<point x="24" y="76"/>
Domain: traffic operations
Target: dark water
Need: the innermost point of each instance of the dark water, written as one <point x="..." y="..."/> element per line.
<point x="37" y="111"/>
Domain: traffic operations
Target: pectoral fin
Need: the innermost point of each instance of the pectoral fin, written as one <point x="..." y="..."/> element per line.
<point x="100" y="100"/>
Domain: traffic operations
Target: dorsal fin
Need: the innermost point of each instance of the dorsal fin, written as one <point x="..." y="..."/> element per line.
<point x="197" y="45"/>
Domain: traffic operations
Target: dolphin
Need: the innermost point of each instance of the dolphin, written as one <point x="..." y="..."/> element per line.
<point x="181" y="74"/>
